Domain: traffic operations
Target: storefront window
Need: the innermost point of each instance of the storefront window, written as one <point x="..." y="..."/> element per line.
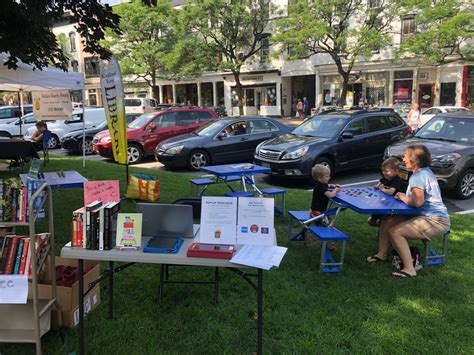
<point x="448" y="94"/>
<point x="375" y="96"/>
<point x="249" y="97"/>
<point x="235" y="98"/>
<point x="331" y="94"/>
<point x="403" y="87"/>
<point x="268" y="96"/>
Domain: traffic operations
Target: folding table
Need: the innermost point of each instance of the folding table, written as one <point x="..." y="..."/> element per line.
<point x="138" y="256"/>
<point x="71" y="179"/>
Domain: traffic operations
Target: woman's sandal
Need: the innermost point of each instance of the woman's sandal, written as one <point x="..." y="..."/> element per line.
<point x="402" y="275"/>
<point x="374" y="259"/>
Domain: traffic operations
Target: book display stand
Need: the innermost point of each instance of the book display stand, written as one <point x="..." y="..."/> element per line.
<point x="27" y="323"/>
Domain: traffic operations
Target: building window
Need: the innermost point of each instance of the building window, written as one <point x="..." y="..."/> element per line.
<point x="371" y="4"/>
<point x="408" y="27"/>
<point x="91" y="67"/>
<point x="265" y="50"/>
<point x="448" y="94"/>
<point x="72" y="41"/>
<point x="75" y="66"/>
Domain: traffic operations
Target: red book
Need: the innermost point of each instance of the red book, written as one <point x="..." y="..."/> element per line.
<point x="26" y="246"/>
<point x="11" y="256"/>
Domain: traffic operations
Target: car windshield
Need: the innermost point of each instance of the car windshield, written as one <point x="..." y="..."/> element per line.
<point x="132" y="102"/>
<point x="140" y="121"/>
<point x="210" y="129"/>
<point x="448" y="129"/>
<point x="326" y="126"/>
<point x="456" y="109"/>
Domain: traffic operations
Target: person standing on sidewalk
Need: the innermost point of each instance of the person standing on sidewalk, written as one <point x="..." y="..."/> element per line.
<point x="306" y="109"/>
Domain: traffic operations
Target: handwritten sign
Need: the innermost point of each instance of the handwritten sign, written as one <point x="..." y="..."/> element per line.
<point x="52" y="105"/>
<point x="103" y="190"/>
<point x="13" y="289"/>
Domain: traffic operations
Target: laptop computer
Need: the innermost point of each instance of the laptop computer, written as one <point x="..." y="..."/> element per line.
<point x="166" y="220"/>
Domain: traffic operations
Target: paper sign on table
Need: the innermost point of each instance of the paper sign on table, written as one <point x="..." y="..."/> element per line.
<point x="259" y="256"/>
<point x="255" y="221"/>
<point x="13" y="289"/>
<point x="218" y="220"/>
<point x="102" y="190"/>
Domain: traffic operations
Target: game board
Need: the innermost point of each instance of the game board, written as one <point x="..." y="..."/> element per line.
<point x="369" y="200"/>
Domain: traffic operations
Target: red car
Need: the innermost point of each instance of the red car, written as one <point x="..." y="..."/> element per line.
<point x="146" y="131"/>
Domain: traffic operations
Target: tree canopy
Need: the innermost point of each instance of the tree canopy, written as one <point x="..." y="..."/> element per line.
<point x="232" y="29"/>
<point x="146" y="39"/>
<point x="343" y="30"/>
<point x="444" y="29"/>
<point x="26" y="29"/>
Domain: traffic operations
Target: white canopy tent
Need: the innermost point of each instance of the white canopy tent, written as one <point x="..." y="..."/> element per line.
<point x="27" y="78"/>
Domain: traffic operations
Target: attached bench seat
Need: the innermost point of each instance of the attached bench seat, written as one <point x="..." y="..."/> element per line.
<point x="329" y="234"/>
<point x="203" y="183"/>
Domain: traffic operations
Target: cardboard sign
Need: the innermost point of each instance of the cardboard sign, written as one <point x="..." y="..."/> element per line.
<point x="52" y="105"/>
<point x="102" y="190"/>
<point x="13" y="289"/>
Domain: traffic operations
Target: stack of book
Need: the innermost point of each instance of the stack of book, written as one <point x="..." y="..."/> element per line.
<point x="14" y="198"/>
<point x="94" y="226"/>
<point x="15" y="253"/>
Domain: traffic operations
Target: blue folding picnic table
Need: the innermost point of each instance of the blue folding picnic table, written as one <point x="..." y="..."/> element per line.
<point x="70" y="179"/>
<point x="246" y="171"/>
<point x="369" y="200"/>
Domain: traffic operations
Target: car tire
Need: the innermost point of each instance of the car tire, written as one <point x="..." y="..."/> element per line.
<point x="88" y="144"/>
<point x="465" y="187"/>
<point x="135" y="153"/>
<point x="53" y="142"/>
<point x="324" y="161"/>
<point x="197" y="159"/>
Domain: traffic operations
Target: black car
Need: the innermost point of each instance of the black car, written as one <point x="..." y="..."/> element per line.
<point x="72" y="141"/>
<point x="450" y="140"/>
<point x="211" y="144"/>
<point x="340" y="140"/>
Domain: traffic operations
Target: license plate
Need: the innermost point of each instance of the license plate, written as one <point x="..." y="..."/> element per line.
<point x="265" y="165"/>
<point x="403" y="175"/>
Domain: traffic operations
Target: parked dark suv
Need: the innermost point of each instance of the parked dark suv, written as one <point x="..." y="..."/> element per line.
<point x="450" y="139"/>
<point x="340" y="140"/>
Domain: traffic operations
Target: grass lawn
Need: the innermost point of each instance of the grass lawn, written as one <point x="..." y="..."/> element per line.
<point x="361" y="310"/>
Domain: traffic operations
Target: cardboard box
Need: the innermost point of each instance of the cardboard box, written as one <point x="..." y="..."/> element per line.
<point x="68" y="297"/>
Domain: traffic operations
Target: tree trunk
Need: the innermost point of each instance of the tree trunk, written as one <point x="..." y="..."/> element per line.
<point x="156" y="93"/>
<point x="345" y="82"/>
<point x="240" y="92"/>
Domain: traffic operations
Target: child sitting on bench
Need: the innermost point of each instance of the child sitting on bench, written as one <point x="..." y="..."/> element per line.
<point x="322" y="191"/>
<point x="390" y="183"/>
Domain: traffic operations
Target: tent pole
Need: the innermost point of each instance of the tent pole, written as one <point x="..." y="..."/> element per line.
<point x="83" y="135"/>
<point x="20" y="109"/>
<point x="126" y="169"/>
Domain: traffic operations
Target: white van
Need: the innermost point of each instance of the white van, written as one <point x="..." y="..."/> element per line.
<point x="140" y="105"/>
<point x="94" y="117"/>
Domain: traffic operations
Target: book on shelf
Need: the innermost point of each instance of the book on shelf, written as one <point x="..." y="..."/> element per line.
<point x="16" y="254"/>
<point x="94" y="229"/>
<point x="5" y="242"/>
<point x="24" y="255"/>
<point x="32" y="185"/>
<point x="10" y="255"/>
<point x="19" y="253"/>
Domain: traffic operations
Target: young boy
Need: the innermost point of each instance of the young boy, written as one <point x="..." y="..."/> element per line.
<point x="321" y="192"/>
<point x="390" y="183"/>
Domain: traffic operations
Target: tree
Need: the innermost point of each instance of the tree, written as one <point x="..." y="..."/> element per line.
<point x="147" y="39"/>
<point x="444" y="30"/>
<point x="26" y="29"/>
<point x="232" y="29"/>
<point x="343" y="29"/>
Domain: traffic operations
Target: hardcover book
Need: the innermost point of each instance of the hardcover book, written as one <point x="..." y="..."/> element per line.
<point x="129" y="230"/>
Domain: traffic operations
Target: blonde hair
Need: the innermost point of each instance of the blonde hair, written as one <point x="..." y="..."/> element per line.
<point x="319" y="170"/>
<point x="419" y="155"/>
<point x="391" y="163"/>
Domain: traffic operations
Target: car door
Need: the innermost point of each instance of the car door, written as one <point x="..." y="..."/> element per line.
<point x="161" y="127"/>
<point x="186" y="122"/>
<point x="350" y="151"/>
<point x="228" y="149"/>
<point x="28" y="121"/>
<point x="379" y="136"/>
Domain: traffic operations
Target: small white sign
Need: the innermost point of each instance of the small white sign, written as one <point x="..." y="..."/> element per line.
<point x="52" y="105"/>
<point x="13" y="289"/>
<point x="255" y="221"/>
<point x="218" y="220"/>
